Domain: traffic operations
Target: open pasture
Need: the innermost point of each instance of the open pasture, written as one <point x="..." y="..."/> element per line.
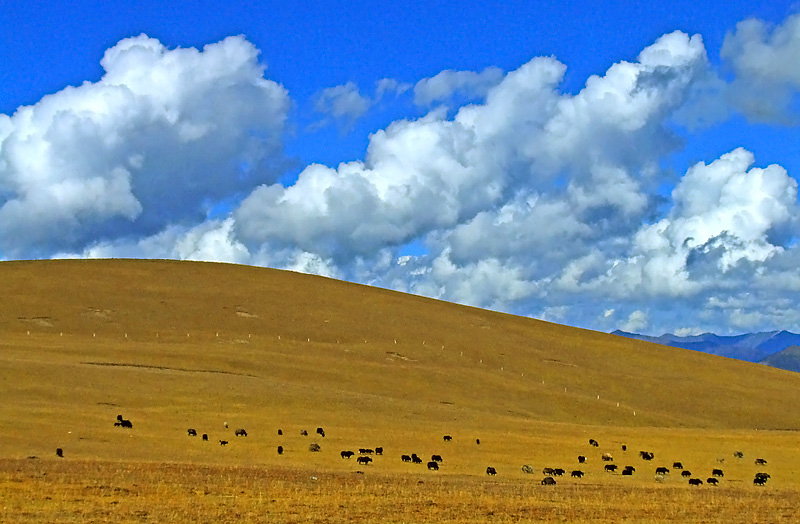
<point x="215" y="348"/>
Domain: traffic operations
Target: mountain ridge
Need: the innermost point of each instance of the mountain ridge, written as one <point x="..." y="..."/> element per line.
<point x="750" y="347"/>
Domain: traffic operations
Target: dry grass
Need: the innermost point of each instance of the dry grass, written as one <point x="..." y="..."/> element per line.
<point x="59" y="492"/>
<point x="176" y="345"/>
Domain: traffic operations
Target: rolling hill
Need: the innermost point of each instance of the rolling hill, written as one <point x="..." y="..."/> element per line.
<point x="173" y="345"/>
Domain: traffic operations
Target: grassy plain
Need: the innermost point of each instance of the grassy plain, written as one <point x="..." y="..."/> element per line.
<point x="173" y="345"/>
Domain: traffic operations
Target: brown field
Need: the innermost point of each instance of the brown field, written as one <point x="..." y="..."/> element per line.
<point x="174" y="345"/>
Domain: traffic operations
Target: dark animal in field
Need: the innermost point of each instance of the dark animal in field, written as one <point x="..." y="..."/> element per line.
<point x="695" y="482"/>
<point x="366" y="451"/>
<point x="346" y="454"/>
<point x="436" y="458"/>
<point x="593" y="442"/>
<point x="280" y="450"/>
<point x="124" y="423"/>
<point x="628" y="470"/>
<point x="527" y="468"/>
<point x="59" y="452"/>
<point x="677" y="465"/>
<point x="611" y="468"/>
<point x="548" y="481"/>
<point x="491" y="471"/>
<point x="558" y="472"/>
<point x="662" y="471"/>
<point x="223" y="442"/>
<point x="280" y="432"/>
<point x="548" y="471"/>
<point x="712" y="481"/>
<point x="646" y="455"/>
<point x="581" y="459"/>
<point x="192" y="432"/>
<point x="577" y="474"/>
<point x="240" y="432"/>
<point x="405" y="458"/>
<point x="686" y="473"/>
<point x="738" y="454"/>
<point x="321" y="432"/>
<point x="760" y="479"/>
<point x="478" y="441"/>
<point x="205" y="436"/>
<point x="314" y="447"/>
<point x="415" y="459"/>
<point x="607" y="457"/>
<point x="364" y="460"/>
<point x="433" y="465"/>
<point x="717" y="473"/>
<point x="447" y="438"/>
<point x="624" y="447"/>
<point x="304" y="432"/>
<point x="379" y="451"/>
<point x="761" y="462"/>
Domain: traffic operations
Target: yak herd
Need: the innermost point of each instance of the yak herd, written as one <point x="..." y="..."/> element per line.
<point x="364" y="458"/>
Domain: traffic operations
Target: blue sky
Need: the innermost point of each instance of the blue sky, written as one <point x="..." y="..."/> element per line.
<point x="463" y="151"/>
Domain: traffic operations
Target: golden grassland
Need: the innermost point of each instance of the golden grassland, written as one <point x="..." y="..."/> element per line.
<point x="81" y="491"/>
<point x="174" y="345"/>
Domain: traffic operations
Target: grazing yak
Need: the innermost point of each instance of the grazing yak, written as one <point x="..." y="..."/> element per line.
<point x="717" y="473"/>
<point x="577" y="474"/>
<point x="240" y="432"/>
<point x="760" y="479"/>
<point x="205" y="436"/>
<point x="646" y="455"/>
<point x="59" y="452"/>
<point x="364" y="460"/>
<point x="624" y="447"/>
<point x="223" y="442"/>
<point x="379" y="451"/>
<point x="304" y="432"/>
<point x="123" y="423"/>
<point x="738" y="454"/>
<point x="661" y="470"/>
<point x="607" y="457"/>
<point x="761" y="462"/>
<point x="478" y="441"/>
<point x="712" y="481"/>
<point x="686" y="473"/>
<point x="314" y="447"/>
<point x="280" y="432"/>
<point x="436" y="458"/>
<point x="346" y="454"/>
<point x="527" y="468"/>
<point x="366" y="451"/>
<point x="548" y="471"/>
<point x="192" y="432"/>
<point x="677" y="465"/>
<point x="593" y="442"/>
<point x="280" y="450"/>
<point x="405" y="458"/>
<point x="491" y="471"/>
<point x="629" y="470"/>
<point x="695" y="482"/>
<point x="610" y="468"/>
<point x="447" y="438"/>
<point x="581" y="459"/>
<point x="415" y="459"/>
<point x="433" y="465"/>
<point x="548" y="481"/>
<point x="321" y="432"/>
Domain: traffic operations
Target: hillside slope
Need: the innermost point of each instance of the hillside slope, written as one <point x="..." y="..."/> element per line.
<point x="185" y="343"/>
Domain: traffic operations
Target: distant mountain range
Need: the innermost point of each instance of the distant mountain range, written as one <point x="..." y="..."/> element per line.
<point x="780" y="349"/>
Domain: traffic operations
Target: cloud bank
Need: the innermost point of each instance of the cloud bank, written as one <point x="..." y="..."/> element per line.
<point x="528" y="199"/>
